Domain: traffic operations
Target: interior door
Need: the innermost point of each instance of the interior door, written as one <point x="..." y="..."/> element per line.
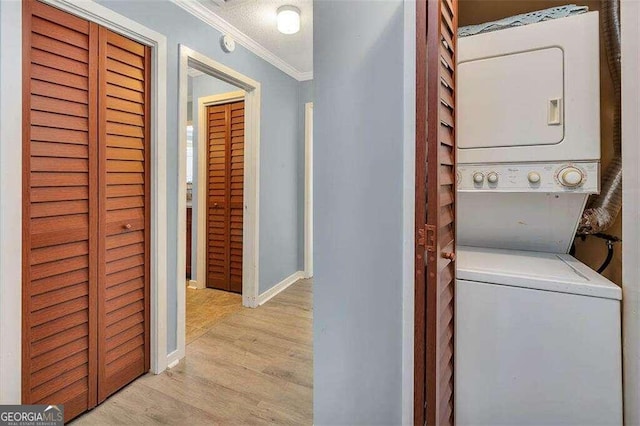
<point x="436" y="36"/>
<point x="59" y="191"/>
<point x="86" y="211"/>
<point x="124" y="222"/>
<point x="225" y="186"/>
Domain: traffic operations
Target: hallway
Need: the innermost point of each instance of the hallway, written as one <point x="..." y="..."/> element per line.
<point x="254" y="366"/>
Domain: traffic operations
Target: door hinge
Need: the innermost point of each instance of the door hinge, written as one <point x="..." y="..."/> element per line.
<point x="427" y="237"/>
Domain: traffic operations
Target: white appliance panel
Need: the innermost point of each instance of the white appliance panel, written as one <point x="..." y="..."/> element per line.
<point x="528" y="177"/>
<point x="514" y="99"/>
<point x="532" y="357"/>
<point x="544" y="221"/>
<point x="510" y="98"/>
<point x="541" y="271"/>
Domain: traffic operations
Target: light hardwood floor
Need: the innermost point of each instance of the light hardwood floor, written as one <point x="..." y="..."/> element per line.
<point x="252" y="367"/>
<point x="206" y="307"/>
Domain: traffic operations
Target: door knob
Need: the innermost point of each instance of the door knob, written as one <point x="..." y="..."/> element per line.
<point x="215" y="204"/>
<point x="127" y="226"/>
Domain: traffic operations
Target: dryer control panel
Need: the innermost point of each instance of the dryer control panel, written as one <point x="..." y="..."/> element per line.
<point x="572" y="177"/>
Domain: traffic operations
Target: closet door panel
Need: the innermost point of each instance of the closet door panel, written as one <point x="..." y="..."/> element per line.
<point x="123" y="344"/>
<point x="225" y="195"/>
<point x="59" y="191"/>
<point x="217" y="203"/>
<point x="236" y="195"/>
<point x="437" y="27"/>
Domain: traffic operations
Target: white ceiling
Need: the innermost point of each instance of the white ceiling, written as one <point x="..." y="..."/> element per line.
<point x="257" y="19"/>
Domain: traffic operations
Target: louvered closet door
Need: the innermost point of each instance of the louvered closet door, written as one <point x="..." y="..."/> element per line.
<point x="236" y="196"/>
<point x="435" y="207"/>
<point x="59" y="191"/>
<point x="123" y="344"/>
<point x="225" y="135"/>
<point x="85" y="210"/>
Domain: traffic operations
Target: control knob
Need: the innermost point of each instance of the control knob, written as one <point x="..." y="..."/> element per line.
<point x="570" y="176"/>
<point x="534" y="177"/>
<point x="492" y="177"/>
<point x="478" y="177"/>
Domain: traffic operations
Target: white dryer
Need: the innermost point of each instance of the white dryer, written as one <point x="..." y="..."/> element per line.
<point x="530" y="93"/>
<point x="528" y="133"/>
<point x="537" y="341"/>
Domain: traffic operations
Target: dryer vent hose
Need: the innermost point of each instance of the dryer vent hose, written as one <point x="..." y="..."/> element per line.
<point x="603" y="209"/>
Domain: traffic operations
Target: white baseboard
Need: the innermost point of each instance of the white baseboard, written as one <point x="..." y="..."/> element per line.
<point x="281" y="286"/>
<point x="194" y="284"/>
<point x="174" y="358"/>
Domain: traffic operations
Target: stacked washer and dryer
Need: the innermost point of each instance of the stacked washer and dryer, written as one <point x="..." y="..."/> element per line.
<point x="538" y="339"/>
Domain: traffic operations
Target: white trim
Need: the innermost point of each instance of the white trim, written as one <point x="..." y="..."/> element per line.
<point x="207" y="16"/>
<point x="408" y="214"/>
<point x="195" y="73"/>
<point x="304" y="76"/>
<point x="280" y="287"/>
<point x="11" y="202"/>
<point x="308" y="189"/>
<point x="194" y="285"/>
<point x="11" y="187"/>
<point x="200" y="235"/>
<point x="174" y="358"/>
<point x="221" y="98"/>
<point x="251" y="234"/>
<point x="630" y="20"/>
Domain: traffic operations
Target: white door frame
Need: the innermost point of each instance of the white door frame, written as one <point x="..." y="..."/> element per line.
<point x="251" y="217"/>
<point x="11" y="183"/>
<point x="630" y="19"/>
<point x="308" y="190"/>
<point x="201" y="215"/>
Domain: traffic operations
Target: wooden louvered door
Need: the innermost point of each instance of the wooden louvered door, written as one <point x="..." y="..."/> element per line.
<point x="85" y="174"/>
<point x="435" y="211"/>
<point x="59" y="192"/>
<point x="225" y="136"/>
<point x="123" y="322"/>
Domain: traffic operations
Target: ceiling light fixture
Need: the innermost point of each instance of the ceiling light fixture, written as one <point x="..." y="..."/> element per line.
<point x="288" y="19"/>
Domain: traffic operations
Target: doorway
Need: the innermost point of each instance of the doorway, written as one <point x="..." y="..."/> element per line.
<point x="215" y="183"/>
<point x="242" y="262"/>
<point x="428" y="385"/>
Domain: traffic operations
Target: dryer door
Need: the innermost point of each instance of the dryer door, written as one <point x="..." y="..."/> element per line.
<point x="511" y="100"/>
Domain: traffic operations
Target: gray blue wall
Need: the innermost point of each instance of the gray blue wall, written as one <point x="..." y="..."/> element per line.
<point x="279" y="151"/>
<point x="358" y="211"/>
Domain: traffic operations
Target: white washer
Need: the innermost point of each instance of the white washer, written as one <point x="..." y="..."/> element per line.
<point x="537" y="341"/>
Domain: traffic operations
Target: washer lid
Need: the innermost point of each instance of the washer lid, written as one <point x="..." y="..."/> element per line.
<point x="540" y="271"/>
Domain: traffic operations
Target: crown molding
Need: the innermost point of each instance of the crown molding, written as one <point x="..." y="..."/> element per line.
<point x="304" y="76"/>
<point x="207" y="16"/>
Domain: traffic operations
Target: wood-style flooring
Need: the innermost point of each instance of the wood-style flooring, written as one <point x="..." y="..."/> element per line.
<point x="252" y="367"/>
<point x="206" y="307"/>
